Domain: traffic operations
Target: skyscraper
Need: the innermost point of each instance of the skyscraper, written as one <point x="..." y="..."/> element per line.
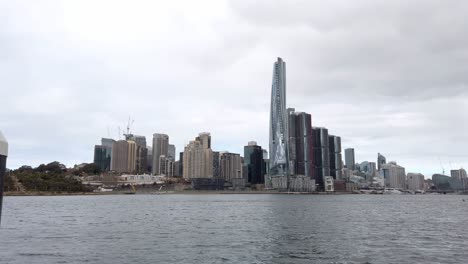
<point x="198" y="158"/>
<point x="171" y="150"/>
<point x="205" y="139"/>
<point x="230" y="165"/>
<point x="350" y="159"/>
<point x="336" y="166"/>
<point x="394" y="175"/>
<point x="381" y="160"/>
<point x="253" y="162"/>
<point x="321" y="154"/>
<point x="160" y="147"/>
<point x="300" y="143"/>
<point x="141" y="160"/>
<point x="279" y="127"/>
<point x="415" y="181"/>
<point x="123" y="159"/>
<point x="102" y="157"/>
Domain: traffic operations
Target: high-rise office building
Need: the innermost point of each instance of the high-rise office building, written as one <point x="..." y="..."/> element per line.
<point x="166" y="166"/>
<point x="132" y="156"/>
<point x="394" y="175"/>
<point x="368" y="169"/>
<point x="198" y="158"/>
<point x="381" y="160"/>
<point x="171" y="152"/>
<point x="300" y="143"/>
<point x="415" y="181"/>
<point x="253" y="163"/>
<point x="350" y="161"/>
<point x="321" y="154"/>
<point x="139" y="140"/>
<point x="102" y="158"/>
<point x="149" y="160"/>
<point x="278" y="127"/>
<point x="103" y="154"/>
<point x="205" y="139"/>
<point x="181" y="160"/>
<point x="216" y="165"/>
<point x="458" y="174"/>
<point x="336" y="166"/>
<point x="231" y="166"/>
<point x="160" y="148"/>
<point x="141" y="159"/>
<point x="124" y="156"/>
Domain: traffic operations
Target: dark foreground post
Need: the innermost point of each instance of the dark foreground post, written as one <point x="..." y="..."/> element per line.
<point x="3" y="159"/>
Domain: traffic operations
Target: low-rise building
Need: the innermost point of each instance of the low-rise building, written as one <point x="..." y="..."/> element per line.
<point x="415" y="181"/>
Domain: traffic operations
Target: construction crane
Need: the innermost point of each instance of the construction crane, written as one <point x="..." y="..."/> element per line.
<point x="443" y="170"/>
<point x="129" y="126"/>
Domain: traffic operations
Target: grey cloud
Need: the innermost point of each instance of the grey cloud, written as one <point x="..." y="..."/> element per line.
<point x="387" y="76"/>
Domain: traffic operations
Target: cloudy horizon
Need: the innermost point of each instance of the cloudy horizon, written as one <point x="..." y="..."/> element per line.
<point x="386" y="76"/>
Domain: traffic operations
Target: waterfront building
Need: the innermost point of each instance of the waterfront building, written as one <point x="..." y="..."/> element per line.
<point x="329" y="184"/>
<point x="142" y="179"/>
<point x="300" y="143"/>
<point x="394" y="175"/>
<point x="231" y="166"/>
<point x="321" y="154"/>
<point x="415" y="181"/>
<point x="103" y="154"/>
<point x="119" y="156"/>
<point x="381" y="160"/>
<point x="198" y="158"/>
<point x="141" y="159"/>
<point x="350" y="161"/>
<point x="102" y="157"/>
<point x="216" y="165"/>
<point x="458" y="174"/>
<point x="166" y="166"/>
<point x="278" y="127"/>
<point x="446" y="183"/>
<point x="253" y="163"/>
<point x="336" y="165"/>
<point x="160" y="148"/>
<point x="132" y="156"/>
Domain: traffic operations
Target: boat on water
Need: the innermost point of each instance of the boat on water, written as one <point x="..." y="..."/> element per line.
<point x="392" y="191"/>
<point x="102" y="189"/>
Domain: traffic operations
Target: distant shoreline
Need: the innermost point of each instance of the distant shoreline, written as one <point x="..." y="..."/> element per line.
<point x="166" y="193"/>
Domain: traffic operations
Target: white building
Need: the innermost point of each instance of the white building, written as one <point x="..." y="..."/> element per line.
<point x="415" y="181"/>
<point x="141" y="179"/>
<point x="394" y="175"/>
<point x="329" y="184"/>
<point x="198" y="158"/>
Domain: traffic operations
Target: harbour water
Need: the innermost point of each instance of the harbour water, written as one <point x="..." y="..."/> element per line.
<point x="235" y="229"/>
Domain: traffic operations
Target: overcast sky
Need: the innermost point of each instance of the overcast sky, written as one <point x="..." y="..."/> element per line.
<point x="386" y="76"/>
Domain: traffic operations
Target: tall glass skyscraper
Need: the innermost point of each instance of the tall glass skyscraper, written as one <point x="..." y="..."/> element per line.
<point x="278" y="125"/>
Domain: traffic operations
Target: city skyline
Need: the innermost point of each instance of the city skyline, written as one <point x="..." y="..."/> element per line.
<point x="82" y="80"/>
